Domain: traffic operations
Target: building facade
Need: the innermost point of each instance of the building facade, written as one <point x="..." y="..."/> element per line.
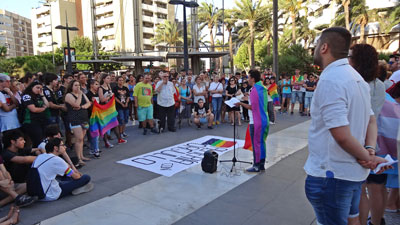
<point x="15" y="34"/>
<point x="44" y="20"/>
<point x="114" y="22"/>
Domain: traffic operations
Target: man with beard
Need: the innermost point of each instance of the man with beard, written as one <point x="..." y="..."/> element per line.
<point x="342" y="135"/>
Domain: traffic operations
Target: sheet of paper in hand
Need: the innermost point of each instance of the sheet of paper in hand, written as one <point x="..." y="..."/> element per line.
<point x="389" y="162"/>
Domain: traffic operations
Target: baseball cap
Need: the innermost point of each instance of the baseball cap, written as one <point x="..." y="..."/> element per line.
<point x="4" y="77"/>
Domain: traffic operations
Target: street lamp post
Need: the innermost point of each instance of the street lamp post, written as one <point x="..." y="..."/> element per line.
<point x="68" y="28"/>
<point x="191" y="4"/>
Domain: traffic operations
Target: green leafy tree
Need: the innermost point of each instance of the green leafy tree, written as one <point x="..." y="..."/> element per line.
<point x="208" y="16"/>
<point x="3" y="51"/>
<point x="168" y="34"/>
<point x="248" y="11"/>
<point x="242" y="57"/>
<point x="37" y="64"/>
<point x="361" y="18"/>
<point x="293" y="8"/>
<point x="229" y="21"/>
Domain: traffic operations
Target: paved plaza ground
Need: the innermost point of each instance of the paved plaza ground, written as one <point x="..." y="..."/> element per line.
<point x="128" y="195"/>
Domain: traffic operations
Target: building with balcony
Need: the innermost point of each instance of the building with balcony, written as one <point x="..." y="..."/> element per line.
<point x="46" y="17"/>
<point x="112" y="22"/>
<point x="15" y="34"/>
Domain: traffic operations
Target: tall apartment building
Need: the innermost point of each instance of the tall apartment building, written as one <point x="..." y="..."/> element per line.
<point x="44" y="20"/>
<point x="114" y="22"/>
<point x="15" y="34"/>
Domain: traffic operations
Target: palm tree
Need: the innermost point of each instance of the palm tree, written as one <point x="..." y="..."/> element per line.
<point x="361" y="18"/>
<point x="248" y="11"/>
<point x="264" y="26"/>
<point x="229" y="21"/>
<point x="305" y="33"/>
<point x="168" y="34"/>
<point x="293" y="7"/>
<point x="208" y="16"/>
<point x="346" y="4"/>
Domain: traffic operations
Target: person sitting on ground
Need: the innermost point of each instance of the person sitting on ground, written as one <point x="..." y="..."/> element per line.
<point x="11" y="218"/>
<point x="202" y="114"/>
<point x="52" y="166"/>
<point x="17" y="159"/>
<point x="53" y="131"/>
<point x="13" y="191"/>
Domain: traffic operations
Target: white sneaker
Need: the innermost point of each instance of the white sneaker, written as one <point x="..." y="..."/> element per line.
<point x="272" y="123"/>
<point x="86" y="188"/>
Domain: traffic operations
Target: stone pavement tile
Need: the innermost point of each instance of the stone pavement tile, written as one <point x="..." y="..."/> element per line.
<point x="36" y="210"/>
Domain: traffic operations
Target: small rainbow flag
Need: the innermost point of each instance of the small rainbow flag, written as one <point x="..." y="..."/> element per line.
<point x="219" y="143"/>
<point x="273" y="92"/>
<point x="103" y="118"/>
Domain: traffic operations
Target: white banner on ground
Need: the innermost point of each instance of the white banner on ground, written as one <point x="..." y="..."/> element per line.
<point x="171" y="160"/>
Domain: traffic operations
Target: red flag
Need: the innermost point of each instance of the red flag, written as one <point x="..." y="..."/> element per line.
<point x="247" y="140"/>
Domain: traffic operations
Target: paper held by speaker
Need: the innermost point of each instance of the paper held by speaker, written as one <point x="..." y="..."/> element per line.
<point x="171" y="160"/>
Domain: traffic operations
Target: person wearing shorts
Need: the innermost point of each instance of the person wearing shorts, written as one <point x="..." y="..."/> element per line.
<point x="143" y="94"/>
<point x="202" y="114"/>
<point x="122" y="104"/>
<point x="297" y="94"/>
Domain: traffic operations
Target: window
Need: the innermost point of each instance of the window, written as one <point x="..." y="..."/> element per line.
<point x="161" y="16"/>
<point x="147" y="13"/>
<point x="148" y="47"/>
<point x="161" y="5"/>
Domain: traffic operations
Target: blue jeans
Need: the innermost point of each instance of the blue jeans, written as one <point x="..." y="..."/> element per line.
<point x="67" y="184"/>
<point x="123" y="116"/>
<point x="217" y="104"/>
<point x="94" y="144"/>
<point x="333" y="200"/>
<point x="297" y="95"/>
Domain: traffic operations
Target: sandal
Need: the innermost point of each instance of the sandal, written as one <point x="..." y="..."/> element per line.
<point x="85" y="159"/>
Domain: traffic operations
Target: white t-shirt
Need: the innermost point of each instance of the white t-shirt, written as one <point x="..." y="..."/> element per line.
<point x="303" y="89"/>
<point x="199" y="90"/>
<point x="251" y="120"/>
<point x="216" y="86"/>
<point x="342" y="98"/>
<point x="48" y="172"/>
<point x="8" y="120"/>
<point x="395" y="76"/>
<point x="165" y="97"/>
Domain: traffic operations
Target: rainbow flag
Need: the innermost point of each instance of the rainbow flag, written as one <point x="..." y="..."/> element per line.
<point x="259" y="105"/>
<point x="103" y="118"/>
<point x="219" y="143"/>
<point x="273" y="92"/>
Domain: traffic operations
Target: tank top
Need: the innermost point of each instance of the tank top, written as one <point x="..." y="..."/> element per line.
<point x="105" y="93"/>
<point x="77" y="117"/>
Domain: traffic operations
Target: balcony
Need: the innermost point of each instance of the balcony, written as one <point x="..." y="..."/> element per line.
<point x="148" y="19"/>
<point x="43" y="19"/>
<point x="108" y="45"/>
<point x="104" y="21"/>
<point x="45" y="39"/>
<point x="147" y="41"/>
<point x="44" y="29"/>
<point x="147" y="7"/>
<point x="148" y="30"/>
<point x="105" y="32"/>
<point x="44" y="49"/>
<point x="103" y="9"/>
<point x="41" y="10"/>
<point x="162" y="10"/>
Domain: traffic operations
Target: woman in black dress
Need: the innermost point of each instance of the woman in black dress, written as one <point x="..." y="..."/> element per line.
<point x="232" y="90"/>
<point x="77" y="111"/>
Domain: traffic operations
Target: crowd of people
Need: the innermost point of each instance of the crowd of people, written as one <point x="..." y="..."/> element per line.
<point x="43" y="117"/>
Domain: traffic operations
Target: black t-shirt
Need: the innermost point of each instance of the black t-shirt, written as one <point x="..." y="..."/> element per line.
<point x="51" y="97"/>
<point x="17" y="171"/>
<point x="90" y="95"/>
<point x="232" y="91"/>
<point x="122" y="94"/>
<point x="310" y="84"/>
<point x="60" y="94"/>
<point x="31" y="117"/>
<point x="201" y="111"/>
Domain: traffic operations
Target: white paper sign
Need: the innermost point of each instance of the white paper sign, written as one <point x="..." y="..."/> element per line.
<point x="389" y="162"/>
<point x="231" y="103"/>
<point x="171" y="160"/>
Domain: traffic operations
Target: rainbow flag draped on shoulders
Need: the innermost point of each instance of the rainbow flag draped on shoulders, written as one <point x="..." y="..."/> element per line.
<point x="103" y="118"/>
<point x="259" y="104"/>
<point x="273" y="92"/>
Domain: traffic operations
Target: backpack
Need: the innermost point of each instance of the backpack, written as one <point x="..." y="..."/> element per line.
<point x="209" y="162"/>
<point x="33" y="183"/>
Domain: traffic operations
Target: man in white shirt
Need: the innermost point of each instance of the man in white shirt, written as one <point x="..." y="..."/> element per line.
<point x="166" y="103"/>
<point x="342" y="135"/>
<point x="50" y="165"/>
<point x="394" y="63"/>
<point x="216" y="89"/>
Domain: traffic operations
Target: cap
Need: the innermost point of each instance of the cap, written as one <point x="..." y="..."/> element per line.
<point x="4" y="77"/>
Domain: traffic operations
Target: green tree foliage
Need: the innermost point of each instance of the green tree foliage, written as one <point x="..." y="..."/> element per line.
<point x="242" y="57"/>
<point x="3" y="51"/>
<point x="294" y="57"/>
<point x="37" y="64"/>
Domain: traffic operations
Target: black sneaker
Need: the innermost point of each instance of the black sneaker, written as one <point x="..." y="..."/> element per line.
<point x="210" y="127"/>
<point x="291" y="113"/>
<point x="25" y="200"/>
<point x="96" y="155"/>
<point x="144" y="131"/>
<point x="198" y="126"/>
<point x="172" y="130"/>
<point x="262" y="167"/>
